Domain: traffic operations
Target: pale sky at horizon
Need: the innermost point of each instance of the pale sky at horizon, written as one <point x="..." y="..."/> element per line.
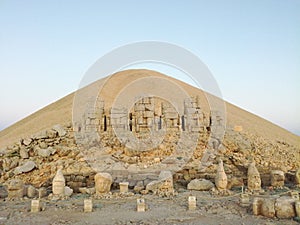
<point x="251" y="47"/>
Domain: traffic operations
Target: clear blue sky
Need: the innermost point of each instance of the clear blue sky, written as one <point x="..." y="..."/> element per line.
<point x="251" y="47"/>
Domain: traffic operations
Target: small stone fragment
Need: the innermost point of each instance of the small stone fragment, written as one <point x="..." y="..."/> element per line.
<point x="31" y="192"/>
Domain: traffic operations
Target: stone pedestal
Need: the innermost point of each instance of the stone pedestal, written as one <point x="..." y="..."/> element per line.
<point x="87" y="205"/>
<point x="124" y="187"/>
<point x="244" y="200"/>
<point x="141" y="205"/>
<point x="35" y="206"/>
<point x="192" y="201"/>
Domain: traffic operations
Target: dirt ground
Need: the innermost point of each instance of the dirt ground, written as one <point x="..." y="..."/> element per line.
<point x="210" y="210"/>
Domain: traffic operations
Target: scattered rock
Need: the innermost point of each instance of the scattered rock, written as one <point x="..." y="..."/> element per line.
<point x="46" y="152"/>
<point x="3" y="192"/>
<point x="24" y="153"/>
<point x="60" y="130"/>
<point x="27" y="141"/>
<point x="26" y="167"/>
<point x="42" y="192"/>
<point x="297" y="177"/>
<point x="200" y="185"/>
<point x="68" y="191"/>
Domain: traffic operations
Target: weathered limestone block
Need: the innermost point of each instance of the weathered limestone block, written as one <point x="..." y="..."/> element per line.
<point x="46" y="152"/>
<point x="264" y="207"/>
<point x="58" y="184"/>
<point x="123" y="187"/>
<point x="268" y="207"/>
<point x="221" y="177"/>
<point x="284" y="207"/>
<point x="254" y="181"/>
<point x="26" y="167"/>
<point x="200" y="185"/>
<point x="297" y="177"/>
<point x="15" y="189"/>
<point x="27" y="141"/>
<point x="163" y="186"/>
<point x="103" y="183"/>
<point x="277" y="178"/>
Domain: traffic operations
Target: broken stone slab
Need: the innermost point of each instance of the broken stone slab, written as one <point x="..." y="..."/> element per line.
<point x="87" y="205"/>
<point x="140" y="205"/>
<point x="60" y="130"/>
<point x="26" y="167"/>
<point x="27" y="141"/>
<point x="192" y="202"/>
<point x="200" y="185"/>
<point x="103" y="183"/>
<point x="24" y="153"/>
<point x="35" y="206"/>
<point x="123" y="187"/>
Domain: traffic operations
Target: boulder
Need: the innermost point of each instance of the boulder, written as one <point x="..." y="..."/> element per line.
<point x="26" y="167"/>
<point x="277" y="178"/>
<point x="60" y="130"/>
<point x="27" y="141"/>
<point x="42" y="192"/>
<point x="200" y="185"/>
<point x="24" y="153"/>
<point x="31" y="192"/>
<point x="46" y="152"/>
<point x="3" y="192"/>
<point x="68" y="191"/>
<point x="103" y="183"/>
<point x="163" y="186"/>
